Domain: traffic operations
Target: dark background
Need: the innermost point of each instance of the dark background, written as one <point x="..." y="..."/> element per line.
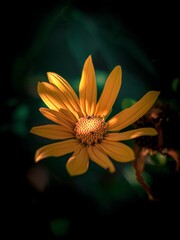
<point x="155" y="26"/>
<point x="29" y="211"/>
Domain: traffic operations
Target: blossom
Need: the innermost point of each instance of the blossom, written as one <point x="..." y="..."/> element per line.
<point x="81" y="125"/>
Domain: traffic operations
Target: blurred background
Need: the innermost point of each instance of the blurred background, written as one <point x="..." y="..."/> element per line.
<point x="42" y="200"/>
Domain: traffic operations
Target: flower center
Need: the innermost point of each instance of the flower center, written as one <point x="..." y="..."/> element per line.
<point x="90" y="130"/>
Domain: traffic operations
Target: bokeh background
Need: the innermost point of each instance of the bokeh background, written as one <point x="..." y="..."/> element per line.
<point x="41" y="200"/>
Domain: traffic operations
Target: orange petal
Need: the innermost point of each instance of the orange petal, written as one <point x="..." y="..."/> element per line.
<point x="54" y="98"/>
<point x="110" y="92"/>
<point x="67" y="91"/>
<point x="117" y="151"/>
<point x="98" y="156"/>
<point x="62" y="117"/>
<point x="130" y="115"/>
<point x="50" y="95"/>
<point x="131" y="134"/>
<point x="78" y="163"/>
<point x="88" y="88"/>
<point x="53" y="131"/>
<point x="56" y="149"/>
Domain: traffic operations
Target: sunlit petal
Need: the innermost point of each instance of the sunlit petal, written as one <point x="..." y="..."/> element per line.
<point x="78" y="163"/>
<point x="50" y="95"/>
<point x="110" y="92"/>
<point x="133" y="113"/>
<point x="70" y="96"/>
<point x="117" y="151"/>
<point x="88" y="88"/>
<point x="54" y="98"/>
<point x="131" y="134"/>
<point x="69" y="115"/>
<point x="56" y="149"/>
<point x="52" y="131"/>
<point x="62" y="117"/>
<point x="97" y="155"/>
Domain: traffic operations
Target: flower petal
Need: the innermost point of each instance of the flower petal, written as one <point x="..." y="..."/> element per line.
<point x="133" y="113"/>
<point x="110" y="92"/>
<point x="63" y="117"/>
<point x="131" y="134"/>
<point x="78" y="163"/>
<point x="117" y="151"/>
<point x="98" y="156"/>
<point x="66" y="89"/>
<point x="52" y="131"/>
<point x="56" y="149"/>
<point x="88" y="88"/>
<point x="50" y="95"/>
<point x="54" y="98"/>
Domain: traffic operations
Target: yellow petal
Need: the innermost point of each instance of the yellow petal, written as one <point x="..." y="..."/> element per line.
<point x="63" y="117"/>
<point x="131" y="134"/>
<point x="52" y="131"/>
<point x="117" y="151"/>
<point x="98" y="156"/>
<point x="88" y="88"/>
<point x="133" y="113"/>
<point x="54" y="98"/>
<point x="110" y="92"/>
<point x="69" y="115"/>
<point x="66" y="89"/>
<point x="56" y="149"/>
<point x="78" y="163"/>
<point x="50" y="95"/>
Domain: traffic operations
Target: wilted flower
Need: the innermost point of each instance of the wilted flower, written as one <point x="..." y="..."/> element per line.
<point x="80" y="122"/>
<point x="166" y="121"/>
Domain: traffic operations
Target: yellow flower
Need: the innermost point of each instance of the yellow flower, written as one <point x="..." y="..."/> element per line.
<point x="80" y="122"/>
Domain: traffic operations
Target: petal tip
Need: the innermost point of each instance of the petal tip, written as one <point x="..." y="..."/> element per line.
<point x="89" y="59"/>
<point x="50" y="74"/>
<point x="37" y="157"/>
<point x="155" y="93"/>
<point x="118" y="69"/>
<point x="112" y="170"/>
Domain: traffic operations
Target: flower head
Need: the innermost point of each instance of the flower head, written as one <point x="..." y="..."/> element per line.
<point x="80" y="121"/>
